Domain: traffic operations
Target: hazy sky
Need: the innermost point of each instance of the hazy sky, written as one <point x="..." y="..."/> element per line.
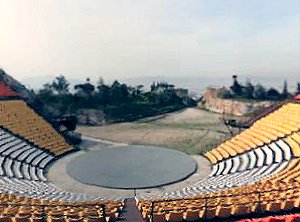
<point x="128" y="38"/>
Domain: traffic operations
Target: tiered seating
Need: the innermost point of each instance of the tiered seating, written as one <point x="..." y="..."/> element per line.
<point x="18" y="118"/>
<point x="23" y="167"/>
<point x="23" y="162"/>
<point x="257" y="171"/>
<point x="16" y="208"/>
<point x="43" y="190"/>
<point x="263" y="178"/>
<point x="275" y="152"/>
<point x="246" y="168"/>
<point x="27" y="145"/>
<point x="266" y="196"/>
<point x="6" y="91"/>
<point x="276" y="125"/>
<point x="221" y="182"/>
<point x="20" y="159"/>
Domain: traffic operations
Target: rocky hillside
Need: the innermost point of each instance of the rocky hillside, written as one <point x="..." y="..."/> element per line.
<point x="212" y="102"/>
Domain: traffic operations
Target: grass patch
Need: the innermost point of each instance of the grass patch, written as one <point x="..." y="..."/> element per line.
<point x="191" y="131"/>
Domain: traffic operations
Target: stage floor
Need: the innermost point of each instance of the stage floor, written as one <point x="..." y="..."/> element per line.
<point x="131" y="167"/>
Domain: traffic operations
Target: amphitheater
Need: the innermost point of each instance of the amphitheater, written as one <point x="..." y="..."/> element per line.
<point x="253" y="175"/>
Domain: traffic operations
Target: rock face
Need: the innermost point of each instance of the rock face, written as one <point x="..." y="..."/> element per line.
<point x="90" y="117"/>
<point x="212" y="102"/>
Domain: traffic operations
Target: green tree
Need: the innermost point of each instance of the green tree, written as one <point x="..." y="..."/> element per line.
<point x="54" y="98"/>
<point x="100" y="81"/>
<point x="273" y="94"/>
<point x="119" y="92"/>
<point x="153" y="86"/>
<point x="236" y="86"/>
<point x="164" y="86"/>
<point x="285" y="92"/>
<point x="259" y="92"/>
<point x="85" y="95"/>
<point x="248" y="90"/>
<point x="60" y="85"/>
<point x="225" y="94"/>
<point x="137" y="91"/>
<point x="46" y="91"/>
<point x="118" y="101"/>
<point x="85" y="89"/>
<point x="103" y="93"/>
<point x="298" y="88"/>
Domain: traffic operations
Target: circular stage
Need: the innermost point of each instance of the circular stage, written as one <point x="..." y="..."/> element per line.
<point x="132" y="167"/>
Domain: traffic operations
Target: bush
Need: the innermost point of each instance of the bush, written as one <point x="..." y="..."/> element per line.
<point x="226" y="94"/>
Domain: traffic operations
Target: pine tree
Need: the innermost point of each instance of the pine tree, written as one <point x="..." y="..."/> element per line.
<point x="236" y="86"/>
<point x="285" y="91"/>
<point x="248" y="90"/>
<point x="298" y="88"/>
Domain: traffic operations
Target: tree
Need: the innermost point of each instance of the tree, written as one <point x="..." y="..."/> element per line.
<point x="225" y="94"/>
<point x="285" y="92"/>
<point x="118" y="92"/>
<point x="60" y="85"/>
<point x="55" y="98"/>
<point x="298" y="88"/>
<point x="103" y="93"/>
<point x="46" y="91"/>
<point x="236" y="87"/>
<point x="248" y="90"/>
<point x="273" y="94"/>
<point x="85" y="89"/>
<point x="138" y="90"/>
<point x="118" y="101"/>
<point x="259" y="92"/>
<point x="45" y="96"/>
<point x="100" y="81"/>
<point x="153" y="86"/>
<point x="166" y="86"/>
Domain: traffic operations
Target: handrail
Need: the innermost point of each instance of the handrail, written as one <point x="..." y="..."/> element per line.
<point x="259" y="191"/>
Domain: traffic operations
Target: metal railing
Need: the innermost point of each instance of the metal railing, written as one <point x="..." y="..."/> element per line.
<point x="259" y="192"/>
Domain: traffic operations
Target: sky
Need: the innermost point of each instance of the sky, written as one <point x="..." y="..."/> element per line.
<point x="136" y="38"/>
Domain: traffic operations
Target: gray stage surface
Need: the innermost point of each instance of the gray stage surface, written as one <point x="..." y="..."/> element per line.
<point x="132" y="167"/>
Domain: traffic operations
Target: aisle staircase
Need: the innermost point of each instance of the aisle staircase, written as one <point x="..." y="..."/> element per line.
<point x="130" y="211"/>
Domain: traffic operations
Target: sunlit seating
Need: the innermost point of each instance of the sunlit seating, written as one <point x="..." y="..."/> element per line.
<point x="257" y="171"/>
<point x="270" y="128"/>
<point x="19" y="208"/>
<point x="20" y="119"/>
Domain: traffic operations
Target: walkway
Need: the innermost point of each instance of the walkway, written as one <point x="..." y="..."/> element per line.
<point x="130" y="212"/>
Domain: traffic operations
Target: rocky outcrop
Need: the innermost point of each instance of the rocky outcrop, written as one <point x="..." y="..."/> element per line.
<point x="212" y="102"/>
<point x="90" y="117"/>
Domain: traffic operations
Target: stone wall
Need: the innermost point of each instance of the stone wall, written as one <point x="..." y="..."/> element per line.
<point x="212" y="102"/>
